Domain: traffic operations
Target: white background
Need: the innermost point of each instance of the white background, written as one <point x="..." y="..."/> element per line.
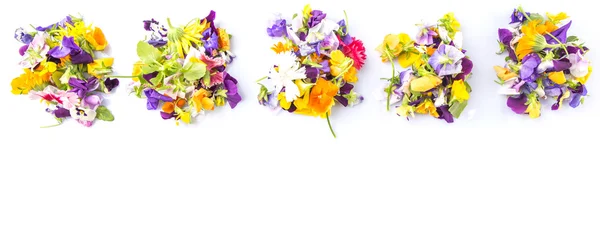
<point x="250" y="168"/>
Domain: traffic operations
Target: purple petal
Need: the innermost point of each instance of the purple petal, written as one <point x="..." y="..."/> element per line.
<point x="505" y="36"/>
<point x="445" y="114"/>
<point x="325" y="65"/>
<point x="528" y="69"/>
<point x="59" y="52"/>
<point x="23" y="49"/>
<point x="574" y="50"/>
<point x="92" y="101"/>
<point x="575" y="101"/>
<point x="81" y="58"/>
<point x="62" y="113"/>
<point x="110" y="84"/>
<point x="152" y="103"/>
<point x="150" y="76"/>
<point x="166" y="116"/>
<point x="517" y="104"/>
<point x="211" y="16"/>
<point x="342" y="100"/>
<point x="231" y="87"/>
<point x="77" y="83"/>
<point x="560" y="34"/>
<point x="312" y="72"/>
<point x="278" y="29"/>
<point x="467" y="67"/>
<point x="561" y="65"/>
<point x="234" y="99"/>
<point x="346" y="89"/>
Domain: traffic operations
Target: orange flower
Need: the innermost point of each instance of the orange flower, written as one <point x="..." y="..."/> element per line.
<point x="97" y="39"/>
<point x="168" y="107"/>
<point x="280" y="48"/>
<point x="321" y="96"/>
<point x="223" y="39"/>
<point x="202" y="100"/>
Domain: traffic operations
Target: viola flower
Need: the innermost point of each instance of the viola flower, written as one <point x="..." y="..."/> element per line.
<point x="459" y="91"/>
<point x="321" y="96"/>
<point x="36" y="51"/>
<point x="69" y="47"/>
<point x="84" y="116"/>
<point x="81" y="87"/>
<point x="446" y="60"/>
<point x="154" y="98"/>
<point x="425" y="35"/>
<point x="23" y="36"/>
<point x="549" y="64"/>
<point x="278" y="29"/>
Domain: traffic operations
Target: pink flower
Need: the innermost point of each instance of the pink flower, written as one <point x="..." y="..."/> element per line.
<point x="53" y="94"/>
<point x="356" y="51"/>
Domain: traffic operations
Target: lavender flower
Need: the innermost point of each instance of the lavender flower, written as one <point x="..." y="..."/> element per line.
<point x="446" y="60"/>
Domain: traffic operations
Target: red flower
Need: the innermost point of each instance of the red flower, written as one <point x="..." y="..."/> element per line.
<point x="356" y="51"/>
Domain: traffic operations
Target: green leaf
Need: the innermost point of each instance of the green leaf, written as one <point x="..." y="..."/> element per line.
<point x="158" y="79"/>
<point x="150" y="68"/>
<point x="456" y="108"/>
<point x="502" y="48"/>
<point x="147" y="53"/>
<point x="572" y="39"/>
<point x="206" y="79"/>
<point x="102" y="113"/>
<point x="192" y="71"/>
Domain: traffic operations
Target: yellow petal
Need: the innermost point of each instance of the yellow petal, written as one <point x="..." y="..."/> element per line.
<point x="459" y="91"/>
<point x="534" y="109"/>
<point x="425" y="83"/>
<point x="208" y="104"/>
<point x="283" y="101"/>
<point x="337" y="57"/>
<point x="350" y="76"/>
<point x="404" y="39"/>
<point x="504" y="73"/>
<point x="557" y="77"/>
<point x="584" y="79"/>
<point x="408" y="58"/>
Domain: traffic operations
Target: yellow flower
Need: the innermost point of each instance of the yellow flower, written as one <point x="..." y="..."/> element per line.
<point x="201" y="100"/>
<point x="405" y="110"/>
<point x="281" y="47"/>
<point x="533" y="40"/>
<point x="307" y="11"/>
<point x="425" y="83"/>
<point x="534" y="109"/>
<point x="556" y="18"/>
<point x="283" y="101"/>
<point x="400" y="46"/>
<point x="427" y="107"/>
<point x="96" y="39"/>
<point x="27" y="81"/>
<point x="339" y="63"/>
<point x="584" y="79"/>
<point x="459" y="91"/>
<point x="137" y="70"/>
<point x="99" y="66"/>
<point x="185" y="117"/>
<point x="557" y="77"/>
<point x="391" y="43"/>
<point x="350" y="76"/>
<point x="451" y="24"/>
<point x="504" y="74"/>
<point x="223" y="39"/>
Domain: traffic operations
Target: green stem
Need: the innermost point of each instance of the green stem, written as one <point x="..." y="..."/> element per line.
<point x="54" y="125"/>
<point x="329" y="123"/>
<point x="169" y="22"/>
<point x="524" y="13"/>
<point x="260" y="79"/>
<point x="389" y="90"/>
<point x="559" y="43"/>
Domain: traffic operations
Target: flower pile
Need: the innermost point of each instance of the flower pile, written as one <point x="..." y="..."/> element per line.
<point x="317" y="62"/>
<point x="542" y="62"/>
<point x="181" y="70"/>
<point x="434" y="82"/>
<point x="61" y="69"/>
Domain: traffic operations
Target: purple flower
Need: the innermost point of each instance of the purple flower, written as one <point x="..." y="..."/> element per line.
<point x="517" y="104"/>
<point x="574" y="50"/>
<point x="578" y="92"/>
<point x="167" y="116"/>
<point x="561" y="65"/>
<point x="210" y="40"/>
<point x="81" y="87"/>
<point x="111" y="83"/>
<point x="528" y="69"/>
<point x="446" y="60"/>
<point x="148" y="24"/>
<point x="278" y="29"/>
<point x="22" y="36"/>
<point x="91" y="102"/>
<point x="445" y="113"/>
<point x="23" y="49"/>
<point x="69" y="47"/>
<point x="154" y="97"/>
<point x="312" y="73"/>
<point x="325" y="66"/>
<point x="159" y="33"/>
<point x="342" y="100"/>
<point x="560" y="34"/>
<point x="61" y="23"/>
<point x="506" y="37"/>
<point x="150" y="76"/>
<point x="518" y="17"/>
<point x="316" y="18"/>
<point x="425" y="35"/>
<point x="61" y="113"/>
<point x="233" y="97"/>
<point x="343" y="28"/>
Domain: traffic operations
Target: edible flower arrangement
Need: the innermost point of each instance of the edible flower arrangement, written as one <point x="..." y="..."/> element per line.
<point x="316" y="65"/>
<point x="61" y="68"/>
<point x="434" y="81"/>
<point x="182" y="70"/>
<point x="543" y="62"/>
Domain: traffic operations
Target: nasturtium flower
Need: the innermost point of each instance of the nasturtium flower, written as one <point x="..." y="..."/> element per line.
<point x="532" y="40"/>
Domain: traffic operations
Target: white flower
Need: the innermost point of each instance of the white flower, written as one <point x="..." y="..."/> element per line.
<point x="319" y="31"/>
<point x="36" y="51"/>
<point x="579" y="65"/>
<point x="443" y="34"/>
<point x="288" y="70"/>
<point x="441" y="99"/>
<point x="83" y="114"/>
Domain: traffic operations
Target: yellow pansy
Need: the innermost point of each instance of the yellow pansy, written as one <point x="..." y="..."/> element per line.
<point x="504" y="74"/>
<point x="283" y="101"/>
<point x="425" y="83"/>
<point x="96" y="39"/>
<point x="557" y="77"/>
<point x="223" y="39"/>
<point x="459" y="91"/>
<point x="391" y="43"/>
<point x="556" y="18"/>
<point x="534" y="109"/>
<point x="350" y="76"/>
<point x="185" y="117"/>
<point x="400" y="46"/>
<point x="409" y="54"/>
<point x="202" y="101"/>
<point x="99" y="65"/>
<point x="427" y="107"/>
<point x="584" y="79"/>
